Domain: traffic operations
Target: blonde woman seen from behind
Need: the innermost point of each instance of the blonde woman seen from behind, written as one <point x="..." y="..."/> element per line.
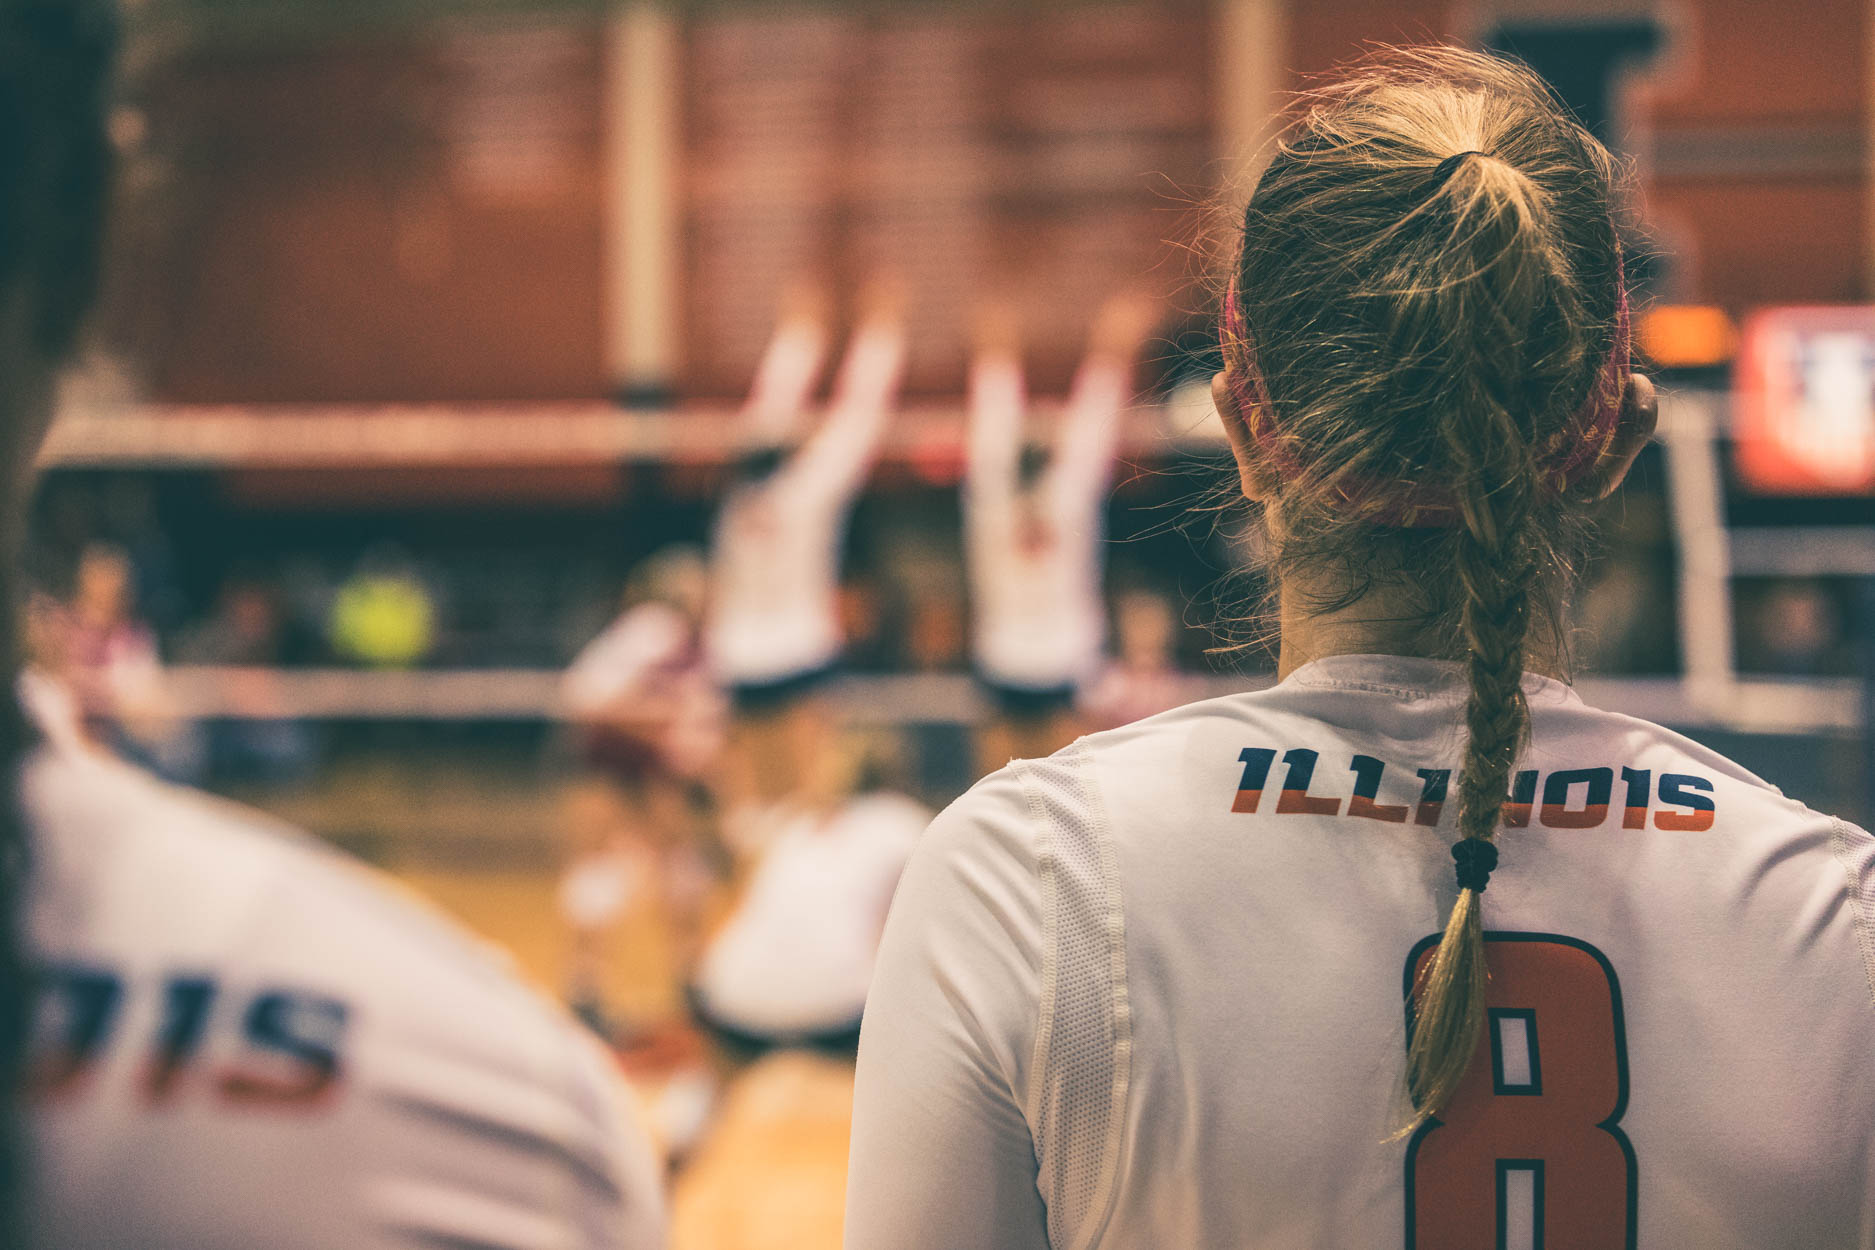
<point x="1228" y="977"/>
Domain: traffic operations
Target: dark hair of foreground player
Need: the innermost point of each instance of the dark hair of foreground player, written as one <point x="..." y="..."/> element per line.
<point x="55" y="164"/>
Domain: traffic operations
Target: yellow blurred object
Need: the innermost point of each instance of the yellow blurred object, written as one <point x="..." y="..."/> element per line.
<point x="386" y="621"/>
<point x="1687" y="336"/>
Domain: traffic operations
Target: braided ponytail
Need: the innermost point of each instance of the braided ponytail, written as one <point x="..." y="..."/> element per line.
<point x="1495" y="480"/>
<point x="1427" y="301"/>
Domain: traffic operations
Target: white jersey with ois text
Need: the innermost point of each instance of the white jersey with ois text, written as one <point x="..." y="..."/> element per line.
<point x="1152" y="991"/>
<point x="244" y="1039"/>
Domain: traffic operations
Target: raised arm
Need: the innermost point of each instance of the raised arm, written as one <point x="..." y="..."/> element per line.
<point x="1090" y="428"/>
<point x="784" y="381"/>
<point x="993" y="437"/>
<point x="942" y="1158"/>
<point x="836" y="458"/>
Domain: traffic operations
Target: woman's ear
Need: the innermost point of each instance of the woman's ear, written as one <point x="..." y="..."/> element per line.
<point x="1634" y="429"/>
<point x="1243" y="446"/>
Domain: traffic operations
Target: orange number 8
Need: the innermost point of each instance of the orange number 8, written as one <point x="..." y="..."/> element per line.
<point x="1527" y="1155"/>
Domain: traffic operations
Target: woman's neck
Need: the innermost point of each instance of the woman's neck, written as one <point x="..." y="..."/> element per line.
<point x="1384" y="621"/>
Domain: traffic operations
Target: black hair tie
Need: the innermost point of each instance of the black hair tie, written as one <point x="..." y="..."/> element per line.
<point x="1449" y="166"/>
<point x="1475" y="859"/>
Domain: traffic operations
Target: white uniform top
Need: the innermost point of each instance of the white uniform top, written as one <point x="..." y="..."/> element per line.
<point x="797" y="955"/>
<point x="1150" y="992"/>
<point x="775" y="557"/>
<point x="1040" y="621"/>
<point x="649" y="651"/>
<point x="645" y="641"/>
<point x="246" y="1040"/>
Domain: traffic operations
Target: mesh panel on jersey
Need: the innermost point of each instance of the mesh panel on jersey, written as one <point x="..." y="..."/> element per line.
<point x="1855" y="850"/>
<point x="1084" y="1042"/>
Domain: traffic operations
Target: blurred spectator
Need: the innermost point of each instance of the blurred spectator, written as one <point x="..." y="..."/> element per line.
<point x="1628" y="609"/>
<point x="638" y="694"/>
<point x="1793" y="628"/>
<point x="127" y="512"/>
<point x="109" y="658"/>
<point x="250" y="631"/>
<point x="45" y="684"/>
<point x="936" y="632"/>
<point x="868" y="624"/>
<point x="383" y="616"/>
<point x="1625" y="620"/>
<point x="1144" y="679"/>
<point x="249" y="625"/>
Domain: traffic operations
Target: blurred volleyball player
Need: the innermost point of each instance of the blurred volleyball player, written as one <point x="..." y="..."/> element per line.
<point x="640" y="695"/>
<point x="792" y="961"/>
<point x="773" y="628"/>
<point x="1034" y="527"/>
<point x="815" y="866"/>
<point x="773" y="633"/>
<point x="1219" y="978"/>
<point x="648" y="725"/>
<point x="232" y="1037"/>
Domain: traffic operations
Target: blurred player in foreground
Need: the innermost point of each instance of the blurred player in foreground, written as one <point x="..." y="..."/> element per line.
<point x="1219" y="978"/>
<point x="240" y="1039"/>
<point x="648" y="722"/>
<point x="1034" y="529"/>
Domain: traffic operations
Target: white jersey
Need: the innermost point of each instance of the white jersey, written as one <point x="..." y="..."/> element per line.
<point x="775" y="556"/>
<point x="649" y="655"/>
<point x="1035" y="564"/>
<point x="797" y="956"/>
<point x="246" y="1040"/>
<point x="646" y="643"/>
<point x="1151" y="992"/>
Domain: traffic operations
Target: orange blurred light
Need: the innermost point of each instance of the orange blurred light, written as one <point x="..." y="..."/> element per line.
<point x="1687" y="336"/>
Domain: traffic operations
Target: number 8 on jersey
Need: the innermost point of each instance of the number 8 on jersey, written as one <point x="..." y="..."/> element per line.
<point x="1528" y="1154"/>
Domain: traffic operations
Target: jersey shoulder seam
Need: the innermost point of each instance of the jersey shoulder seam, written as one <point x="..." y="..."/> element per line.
<point x="1065" y="867"/>
<point x="1107" y="1194"/>
<point x="1865" y="939"/>
<point x="1045" y="1006"/>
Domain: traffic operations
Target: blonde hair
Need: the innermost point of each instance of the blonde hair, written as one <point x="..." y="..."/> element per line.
<point x="1427" y="293"/>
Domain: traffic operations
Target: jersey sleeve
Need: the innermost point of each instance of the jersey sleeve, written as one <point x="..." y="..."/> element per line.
<point x="1855" y="851"/>
<point x="942" y="1157"/>
<point x="481" y="1162"/>
<point x="491" y="1117"/>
